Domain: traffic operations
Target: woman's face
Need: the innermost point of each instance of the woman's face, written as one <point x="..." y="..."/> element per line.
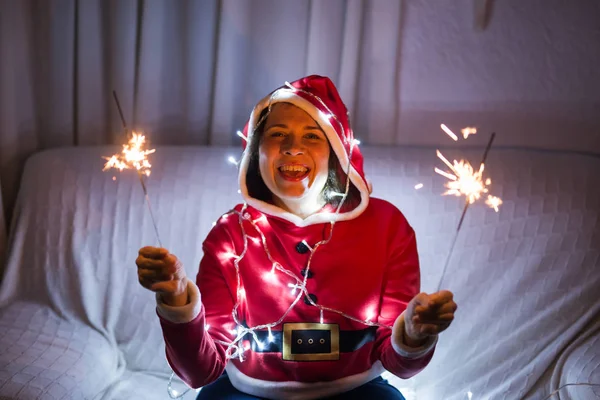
<point x="293" y="156"/>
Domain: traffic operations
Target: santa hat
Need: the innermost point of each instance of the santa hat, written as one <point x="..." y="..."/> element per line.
<point x="319" y="98"/>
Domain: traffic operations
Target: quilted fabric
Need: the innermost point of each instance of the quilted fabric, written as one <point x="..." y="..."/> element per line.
<point x="44" y="356"/>
<point x="525" y="278"/>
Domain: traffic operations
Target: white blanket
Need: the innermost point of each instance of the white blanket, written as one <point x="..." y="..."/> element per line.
<point x="526" y="279"/>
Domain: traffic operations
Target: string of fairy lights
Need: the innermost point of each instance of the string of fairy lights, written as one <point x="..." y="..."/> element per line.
<point x="298" y="286"/>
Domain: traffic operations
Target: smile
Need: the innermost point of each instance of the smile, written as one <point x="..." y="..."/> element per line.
<point x="293" y="172"/>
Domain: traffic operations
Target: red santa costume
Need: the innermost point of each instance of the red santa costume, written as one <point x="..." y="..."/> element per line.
<point x="298" y="308"/>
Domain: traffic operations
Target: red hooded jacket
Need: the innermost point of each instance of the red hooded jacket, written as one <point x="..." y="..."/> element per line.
<point x="300" y="334"/>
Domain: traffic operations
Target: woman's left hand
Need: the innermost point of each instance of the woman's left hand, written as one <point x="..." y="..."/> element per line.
<point x="427" y="315"/>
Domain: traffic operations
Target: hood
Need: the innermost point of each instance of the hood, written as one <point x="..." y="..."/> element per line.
<point x="318" y="97"/>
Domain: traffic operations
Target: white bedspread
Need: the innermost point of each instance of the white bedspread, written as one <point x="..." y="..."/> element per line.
<point x="527" y="279"/>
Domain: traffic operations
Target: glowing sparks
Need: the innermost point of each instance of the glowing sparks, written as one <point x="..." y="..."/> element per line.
<point x="418" y="186"/>
<point x="468" y="131"/>
<point x="493" y="202"/>
<point x="133" y="156"/>
<point x="463" y="179"/>
<point x="449" y="132"/>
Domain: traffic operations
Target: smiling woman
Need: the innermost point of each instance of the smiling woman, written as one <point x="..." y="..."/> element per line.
<point x="354" y="310"/>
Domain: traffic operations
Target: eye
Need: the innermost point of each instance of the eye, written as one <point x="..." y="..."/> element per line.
<point x="312" y="136"/>
<point x="275" y="134"/>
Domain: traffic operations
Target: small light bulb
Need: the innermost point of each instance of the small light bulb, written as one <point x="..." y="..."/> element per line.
<point x="370" y="315"/>
<point x="469" y="395"/>
<point x="206" y="327"/>
<point x="294" y="287"/>
<point x="241" y="134"/>
<point x="232" y="160"/>
<point x="356" y="142"/>
<point x="270" y="276"/>
<point x="270" y="338"/>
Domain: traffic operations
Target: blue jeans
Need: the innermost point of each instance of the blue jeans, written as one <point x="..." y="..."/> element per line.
<point x="378" y="388"/>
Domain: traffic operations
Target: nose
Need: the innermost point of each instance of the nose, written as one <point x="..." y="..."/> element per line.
<point x="292" y="146"/>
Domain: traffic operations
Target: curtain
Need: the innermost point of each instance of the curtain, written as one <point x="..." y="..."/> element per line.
<point x="185" y="72"/>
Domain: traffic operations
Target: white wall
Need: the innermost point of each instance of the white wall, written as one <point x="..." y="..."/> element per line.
<point x="533" y="75"/>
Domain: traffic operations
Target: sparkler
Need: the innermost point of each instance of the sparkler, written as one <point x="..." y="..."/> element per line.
<point x="494" y="202"/>
<point x="465" y="181"/>
<point x="134" y="156"/>
<point x="468" y="131"/>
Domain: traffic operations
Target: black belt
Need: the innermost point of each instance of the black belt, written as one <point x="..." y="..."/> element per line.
<point x="311" y="342"/>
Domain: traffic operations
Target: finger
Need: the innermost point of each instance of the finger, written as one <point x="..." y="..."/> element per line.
<point x="438" y="305"/>
<point x="169" y="263"/>
<point x="149" y="263"/>
<point x="434" y="316"/>
<point x="154" y="275"/>
<point x="445" y="308"/>
<point x="441" y="297"/>
<point x="156" y="253"/>
<point x="421" y="299"/>
<point x="422" y="309"/>
<point x="172" y="261"/>
<point x="437" y="320"/>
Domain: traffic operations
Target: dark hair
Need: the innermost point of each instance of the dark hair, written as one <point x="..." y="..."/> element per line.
<point x="336" y="177"/>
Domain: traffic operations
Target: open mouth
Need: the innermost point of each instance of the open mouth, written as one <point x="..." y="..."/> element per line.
<point x="293" y="172"/>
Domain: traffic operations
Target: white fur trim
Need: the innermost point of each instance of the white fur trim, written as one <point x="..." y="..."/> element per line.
<point x="291" y="390"/>
<point x="182" y="314"/>
<point x="286" y="95"/>
<point x="404" y="350"/>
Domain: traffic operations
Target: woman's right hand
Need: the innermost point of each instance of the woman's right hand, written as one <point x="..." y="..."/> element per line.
<point x="161" y="272"/>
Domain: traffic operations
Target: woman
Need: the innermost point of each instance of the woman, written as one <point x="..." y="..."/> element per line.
<point x="310" y="289"/>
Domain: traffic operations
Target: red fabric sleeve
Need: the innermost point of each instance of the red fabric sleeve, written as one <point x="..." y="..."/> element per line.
<point x="191" y="349"/>
<point x="401" y="283"/>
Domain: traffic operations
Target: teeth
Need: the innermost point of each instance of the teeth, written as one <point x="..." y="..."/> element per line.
<point x="293" y="168"/>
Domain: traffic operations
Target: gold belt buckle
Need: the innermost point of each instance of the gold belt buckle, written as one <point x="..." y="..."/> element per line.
<point x="311" y="342"/>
